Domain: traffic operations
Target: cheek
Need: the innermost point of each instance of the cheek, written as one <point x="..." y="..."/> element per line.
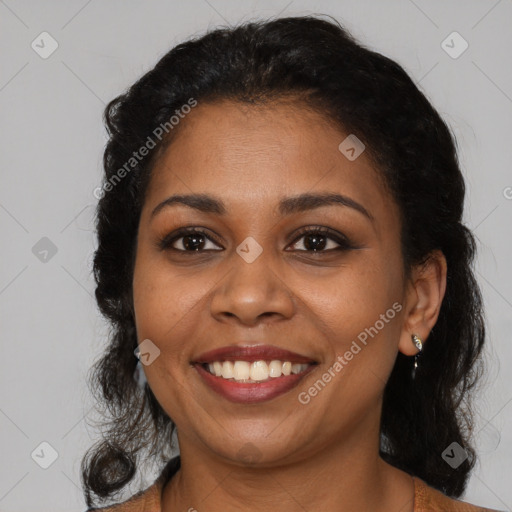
<point x="359" y="311"/>
<point x="166" y="304"/>
<point x="354" y="297"/>
<point x="162" y="305"/>
<point x="375" y="303"/>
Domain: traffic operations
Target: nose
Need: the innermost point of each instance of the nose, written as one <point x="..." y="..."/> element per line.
<point x="252" y="293"/>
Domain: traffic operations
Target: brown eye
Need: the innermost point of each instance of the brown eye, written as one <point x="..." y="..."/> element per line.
<point x="190" y="239"/>
<point x="321" y="239"/>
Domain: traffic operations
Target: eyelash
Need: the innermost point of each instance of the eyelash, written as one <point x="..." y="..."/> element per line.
<point x="167" y="241"/>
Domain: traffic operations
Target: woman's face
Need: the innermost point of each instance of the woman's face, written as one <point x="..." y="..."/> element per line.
<point x="257" y="281"/>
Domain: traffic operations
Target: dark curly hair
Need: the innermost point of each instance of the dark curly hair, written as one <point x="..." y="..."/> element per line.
<point x="363" y="92"/>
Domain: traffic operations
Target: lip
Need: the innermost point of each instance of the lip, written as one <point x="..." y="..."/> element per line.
<point x="251" y="354"/>
<point x="251" y="393"/>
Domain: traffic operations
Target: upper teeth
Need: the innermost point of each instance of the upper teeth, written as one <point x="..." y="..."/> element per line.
<point x="256" y="371"/>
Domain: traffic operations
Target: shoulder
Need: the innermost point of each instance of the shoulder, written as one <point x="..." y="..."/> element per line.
<point x="148" y="500"/>
<point x="428" y="499"/>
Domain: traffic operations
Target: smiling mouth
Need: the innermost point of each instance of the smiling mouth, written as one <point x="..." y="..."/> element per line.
<point x="256" y="371"/>
<point x="265" y="380"/>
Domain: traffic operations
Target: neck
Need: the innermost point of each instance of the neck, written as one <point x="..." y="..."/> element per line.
<point x="346" y="478"/>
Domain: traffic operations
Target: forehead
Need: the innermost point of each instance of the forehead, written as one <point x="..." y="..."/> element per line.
<point x="255" y="155"/>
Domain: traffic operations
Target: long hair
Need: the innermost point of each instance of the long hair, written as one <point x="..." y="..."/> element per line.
<point x="414" y="152"/>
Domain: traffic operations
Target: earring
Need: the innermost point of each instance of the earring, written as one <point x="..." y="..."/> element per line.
<point x="419" y="345"/>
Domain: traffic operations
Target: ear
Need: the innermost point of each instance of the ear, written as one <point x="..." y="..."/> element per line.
<point x="424" y="296"/>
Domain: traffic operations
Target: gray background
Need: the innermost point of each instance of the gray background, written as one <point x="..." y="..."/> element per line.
<point x="51" y="148"/>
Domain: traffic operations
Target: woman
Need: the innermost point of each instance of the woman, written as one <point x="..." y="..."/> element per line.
<point x="281" y="246"/>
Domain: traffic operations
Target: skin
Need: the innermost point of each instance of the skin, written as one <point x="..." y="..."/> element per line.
<point x="318" y="456"/>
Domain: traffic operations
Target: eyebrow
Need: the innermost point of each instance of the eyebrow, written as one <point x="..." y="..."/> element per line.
<point x="295" y="204"/>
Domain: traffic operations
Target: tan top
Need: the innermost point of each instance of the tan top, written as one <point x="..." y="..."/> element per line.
<point x="426" y="498"/>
